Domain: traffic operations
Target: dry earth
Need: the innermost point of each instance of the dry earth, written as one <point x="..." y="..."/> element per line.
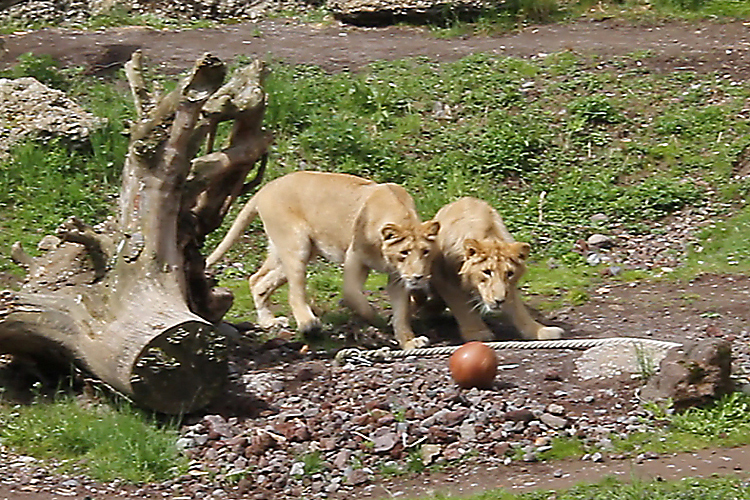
<point x="702" y="47"/>
<point x="306" y="399"/>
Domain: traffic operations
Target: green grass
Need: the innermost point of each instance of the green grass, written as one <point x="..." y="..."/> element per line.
<point x="635" y="147"/>
<point x="728" y="488"/>
<point x="724" y="246"/>
<point x="726" y="423"/>
<point x="621" y="141"/>
<point x="106" y="443"/>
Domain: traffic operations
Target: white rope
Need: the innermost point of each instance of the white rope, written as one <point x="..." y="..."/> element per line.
<point x="355" y="355"/>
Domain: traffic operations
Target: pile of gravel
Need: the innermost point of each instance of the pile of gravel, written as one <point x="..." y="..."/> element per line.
<point x="72" y="12"/>
<point x="297" y="425"/>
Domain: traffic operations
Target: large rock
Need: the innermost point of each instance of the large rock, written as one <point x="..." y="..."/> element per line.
<point x="29" y="109"/>
<point x="692" y="376"/>
<point x="377" y="12"/>
<point x="617" y="359"/>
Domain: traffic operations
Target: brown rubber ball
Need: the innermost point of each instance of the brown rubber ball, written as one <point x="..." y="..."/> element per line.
<point x="474" y="364"/>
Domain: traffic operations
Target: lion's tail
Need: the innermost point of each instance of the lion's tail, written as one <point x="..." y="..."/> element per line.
<point x="244" y="218"/>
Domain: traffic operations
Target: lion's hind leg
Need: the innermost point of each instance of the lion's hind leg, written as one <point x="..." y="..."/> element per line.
<point x="263" y="283"/>
<point x="296" y="254"/>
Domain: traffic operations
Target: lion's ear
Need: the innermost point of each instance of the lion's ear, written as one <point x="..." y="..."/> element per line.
<point x="431" y="228"/>
<point x="471" y="248"/>
<point x="521" y="250"/>
<point x="390" y="231"/>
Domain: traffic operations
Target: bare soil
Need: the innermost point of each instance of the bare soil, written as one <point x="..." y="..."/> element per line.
<point x="701" y="47"/>
<point x="709" y="306"/>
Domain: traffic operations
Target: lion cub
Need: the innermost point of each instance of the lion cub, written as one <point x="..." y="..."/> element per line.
<point x="345" y="219"/>
<point x="479" y="264"/>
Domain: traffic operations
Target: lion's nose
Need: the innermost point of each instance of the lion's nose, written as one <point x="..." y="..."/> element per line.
<point x="499" y="303"/>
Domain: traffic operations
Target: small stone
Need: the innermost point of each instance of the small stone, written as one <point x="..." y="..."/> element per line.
<point x="328" y="443"/>
<point x="384" y="441"/>
<point x="556" y="409"/>
<point x="357" y="476"/>
<point x="599" y="218"/>
<point x="185" y="443"/>
<point x="428" y="453"/>
<point x="259" y="444"/>
<point x="342" y="459"/>
<point x="523" y="415"/>
<point x="217" y="427"/>
<point x="454" y="451"/>
<point x="298" y="469"/>
<point x="542" y="441"/>
<point x="501" y="449"/>
<point x="553" y="421"/>
<point x="49" y="242"/>
<point x="593" y="259"/>
<point x="600" y="241"/>
<point x="467" y="431"/>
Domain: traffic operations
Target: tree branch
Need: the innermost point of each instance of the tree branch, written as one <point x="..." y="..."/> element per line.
<point x="19" y="255"/>
<point x="134" y="74"/>
<point x="76" y="231"/>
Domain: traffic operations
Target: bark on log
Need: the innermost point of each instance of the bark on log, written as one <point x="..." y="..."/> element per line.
<point x="129" y="299"/>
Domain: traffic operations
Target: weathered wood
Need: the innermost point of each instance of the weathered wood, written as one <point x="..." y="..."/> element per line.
<point x="129" y="300"/>
<point x="6" y="4"/>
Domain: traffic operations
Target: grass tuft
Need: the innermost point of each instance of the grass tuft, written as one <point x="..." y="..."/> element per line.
<point x="104" y="442"/>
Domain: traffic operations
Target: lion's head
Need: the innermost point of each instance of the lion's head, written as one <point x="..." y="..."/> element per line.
<point x="410" y="250"/>
<point x="490" y="268"/>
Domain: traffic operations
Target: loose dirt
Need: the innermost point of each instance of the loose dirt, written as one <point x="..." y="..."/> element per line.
<point x="702" y="47"/>
<point x="709" y="306"/>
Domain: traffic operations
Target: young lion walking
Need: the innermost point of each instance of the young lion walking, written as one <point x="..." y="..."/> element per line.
<point x="345" y="219"/>
<point x="478" y="266"/>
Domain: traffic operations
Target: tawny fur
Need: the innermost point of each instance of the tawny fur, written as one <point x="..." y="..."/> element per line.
<point x="477" y="270"/>
<point x="345" y="219"/>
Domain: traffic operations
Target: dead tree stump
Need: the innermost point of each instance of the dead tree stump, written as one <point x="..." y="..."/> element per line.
<point x="128" y="299"/>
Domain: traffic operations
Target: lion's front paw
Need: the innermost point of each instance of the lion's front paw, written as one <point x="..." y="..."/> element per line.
<point x="549" y="333"/>
<point x="311" y="329"/>
<point x="417" y="343"/>
<point x="272" y="323"/>
<point x="478" y="336"/>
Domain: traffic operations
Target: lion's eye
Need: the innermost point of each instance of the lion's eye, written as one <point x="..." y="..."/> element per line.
<point x="488" y="272"/>
<point x="425" y="252"/>
<point x="404" y="253"/>
<point x="510" y="274"/>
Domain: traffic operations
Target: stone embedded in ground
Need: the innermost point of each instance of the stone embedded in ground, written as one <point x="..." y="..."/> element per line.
<point x="616" y="359"/>
<point x="692" y="376"/>
<point x="553" y="421"/>
<point x="600" y="241"/>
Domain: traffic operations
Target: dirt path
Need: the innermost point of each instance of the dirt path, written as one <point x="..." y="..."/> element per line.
<point x="700" y="47"/>
<point x="566" y="474"/>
